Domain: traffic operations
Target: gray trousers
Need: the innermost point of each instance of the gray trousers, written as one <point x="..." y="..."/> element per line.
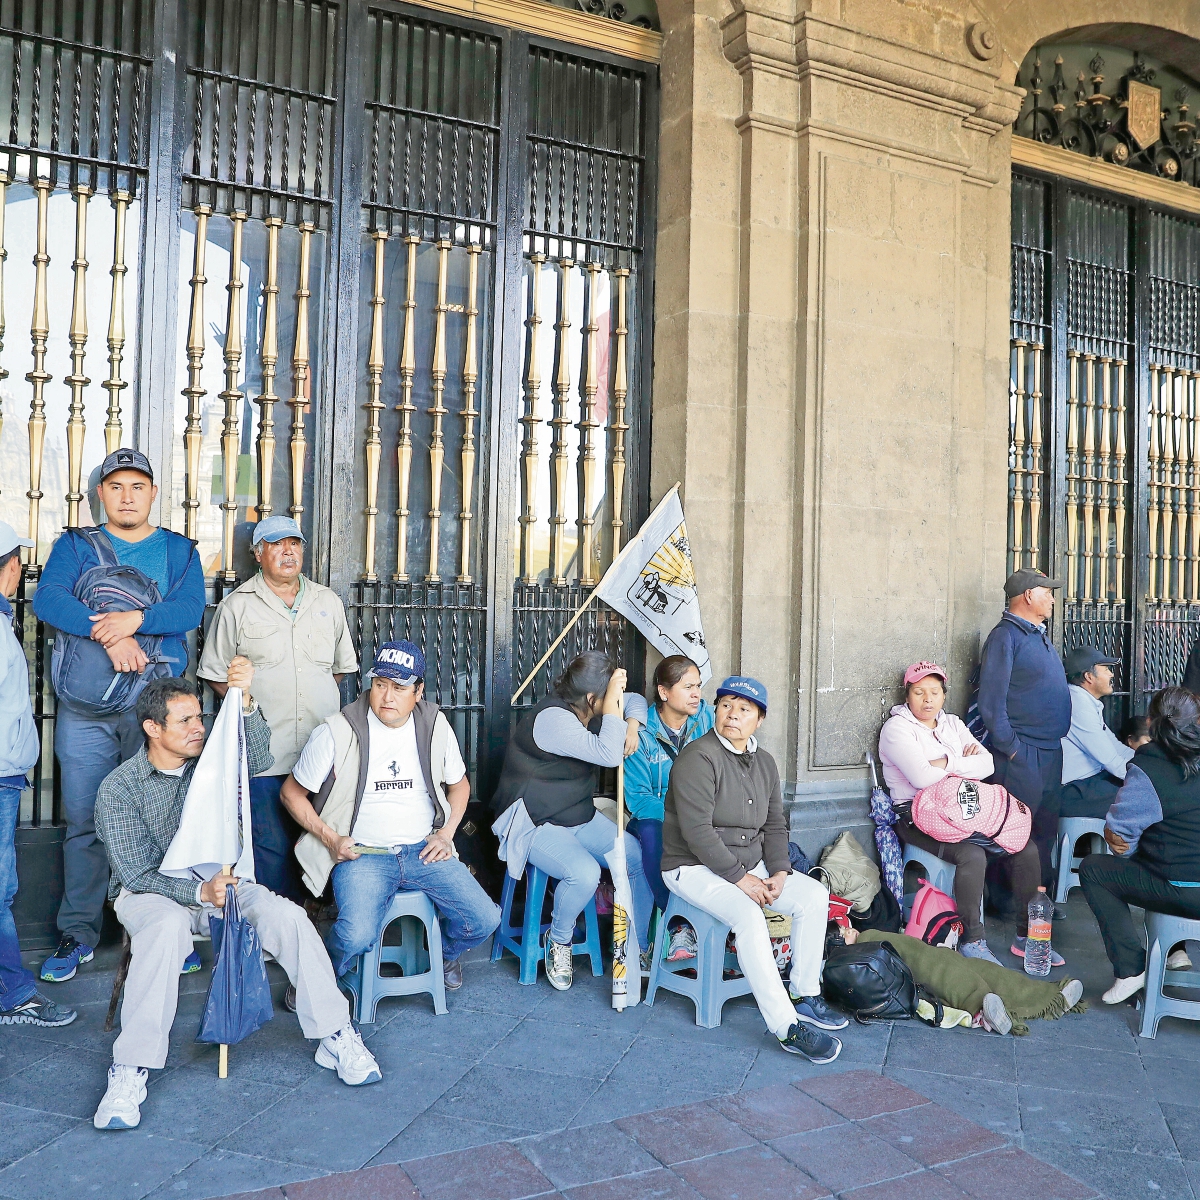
<point x="87" y="748"/>
<point x="161" y="932"/>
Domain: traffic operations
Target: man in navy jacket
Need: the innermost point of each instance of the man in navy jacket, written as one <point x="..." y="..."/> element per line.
<point x="1025" y="702"/>
<point x="89" y="747"/>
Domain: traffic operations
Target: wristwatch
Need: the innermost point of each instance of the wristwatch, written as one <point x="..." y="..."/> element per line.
<point x="247" y="710"/>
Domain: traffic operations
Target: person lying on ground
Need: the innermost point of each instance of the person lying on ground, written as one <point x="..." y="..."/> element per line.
<point x="725" y="850"/>
<point x="138" y="808"/>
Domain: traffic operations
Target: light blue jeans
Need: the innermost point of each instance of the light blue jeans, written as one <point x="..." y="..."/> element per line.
<point x="573" y="855"/>
<point x="16" y="983"/>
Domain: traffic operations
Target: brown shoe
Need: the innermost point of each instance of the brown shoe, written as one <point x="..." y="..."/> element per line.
<point x="452" y="974"/>
<point x="289" y="998"/>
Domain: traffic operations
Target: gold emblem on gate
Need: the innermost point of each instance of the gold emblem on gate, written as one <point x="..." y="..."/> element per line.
<point x="1144" y="113"/>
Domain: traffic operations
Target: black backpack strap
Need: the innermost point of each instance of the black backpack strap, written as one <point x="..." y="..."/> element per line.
<point x="98" y="540"/>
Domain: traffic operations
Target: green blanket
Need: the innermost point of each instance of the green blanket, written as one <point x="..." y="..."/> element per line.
<point x="963" y="982"/>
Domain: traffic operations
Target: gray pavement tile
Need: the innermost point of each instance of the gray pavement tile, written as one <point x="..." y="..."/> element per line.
<point x="659" y="1062"/>
<point x="532" y="1101"/>
<point x="23" y="1130"/>
<point x="557" y="1047"/>
<point x="1175" y="1039"/>
<point x="774" y="1065"/>
<point x="433" y="1133"/>
<point x="1094" y="1120"/>
<point x="612" y="1100"/>
<point x="494" y="988"/>
<point x="70" y="1082"/>
<point x="1184" y="1123"/>
<point x="503" y="1174"/>
<point x="1174" y="1080"/>
<point x="125" y="1165"/>
<point x="1101" y="1028"/>
<point x="17" y="1053"/>
<point x="86" y="1032"/>
<point x="323" y="1123"/>
<point x="192" y="1103"/>
<point x="586" y="1154"/>
<point x="460" y="1033"/>
<point x="1117" y="1174"/>
<point x="589" y="1002"/>
<point x="1077" y="1069"/>
<point x="675" y="1017"/>
<point x="220" y="1173"/>
<point x="966" y="1052"/>
<point x="987" y="1102"/>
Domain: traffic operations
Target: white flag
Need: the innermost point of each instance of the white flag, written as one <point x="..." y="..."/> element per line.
<point x="652" y="582"/>
<point x="214" y="827"/>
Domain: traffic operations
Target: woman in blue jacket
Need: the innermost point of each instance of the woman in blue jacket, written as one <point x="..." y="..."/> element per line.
<point x="678" y="715"/>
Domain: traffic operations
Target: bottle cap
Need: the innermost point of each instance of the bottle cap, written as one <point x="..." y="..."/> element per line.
<point x="1041" y="889"/>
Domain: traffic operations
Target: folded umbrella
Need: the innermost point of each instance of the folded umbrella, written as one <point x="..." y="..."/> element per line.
<point x="888" y="844"/>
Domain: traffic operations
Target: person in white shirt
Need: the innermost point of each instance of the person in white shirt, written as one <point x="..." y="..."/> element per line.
<point x="1094" y="759"/>
<point x="381" y="788"/>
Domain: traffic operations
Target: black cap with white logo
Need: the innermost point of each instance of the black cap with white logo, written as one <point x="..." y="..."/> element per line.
<point x="126" y="460"/>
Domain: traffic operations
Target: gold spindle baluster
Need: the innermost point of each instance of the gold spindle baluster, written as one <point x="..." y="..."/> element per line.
<point x="587" y="425"/>
<point x="3" y="260"/>
<point x="77" y="337"/>
<point x="1179" y="468"/>
<point x="39" y="332"/>
<point x="1154" y="489"/>
<point x="373" y="449"/>
<point x="617" y="426"/>
<point x="193" y="431"/>
<point x="1168" y="478"/>
<point x="230" y="437"/>
<point x="529" y="419"/>
<point x="298" y="444"/>
<point x="437" y="410"/>
<point x="1072" y="474"/>
<point x="1194" y="489"/>
<point x="1020" y="448"/>
<point x="267" y="399"/>
<point x="114" y="385"/>
<point x="1104" y="483"/>
<point x="406" y="408"/>
<point x="1121" y="483"/>
<point x="1035" y="455"/>
<point x="468" y="413"/>
<point x="1087" y="471"/>
<point x="559" y="456"/>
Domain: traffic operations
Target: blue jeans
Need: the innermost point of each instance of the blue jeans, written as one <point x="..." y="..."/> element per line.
<point x="573" y="855"/>
<point x="364" y="887"/>
<point x="648" y="832"/>
<point x="275" y="836"/>
<point x="88" y="748"/>
<point x="16" y="983"/>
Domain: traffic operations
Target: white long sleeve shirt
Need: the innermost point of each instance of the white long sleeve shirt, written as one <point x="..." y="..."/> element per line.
<point x="906" y="748"/>
<point x="1091" y="747"/>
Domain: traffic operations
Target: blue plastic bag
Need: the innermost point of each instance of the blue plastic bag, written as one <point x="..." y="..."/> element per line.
<point x="239" y="995"/>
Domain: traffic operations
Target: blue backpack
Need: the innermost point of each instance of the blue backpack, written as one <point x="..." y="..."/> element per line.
<point x="81" y="671"/>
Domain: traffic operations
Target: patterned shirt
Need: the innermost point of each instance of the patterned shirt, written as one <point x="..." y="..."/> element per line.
<point x="137" y="814"/>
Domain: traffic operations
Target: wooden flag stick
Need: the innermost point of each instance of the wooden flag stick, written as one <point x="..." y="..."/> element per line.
<point x="223" y="1061"/>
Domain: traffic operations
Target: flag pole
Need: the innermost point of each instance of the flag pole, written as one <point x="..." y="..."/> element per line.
<point x="620" y="1000"/>
<point x="554" y="645"/>
<point x="223" y="1060"/>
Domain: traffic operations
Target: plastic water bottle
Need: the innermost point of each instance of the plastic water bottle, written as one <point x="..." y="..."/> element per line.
<point x="1037" y="944"/>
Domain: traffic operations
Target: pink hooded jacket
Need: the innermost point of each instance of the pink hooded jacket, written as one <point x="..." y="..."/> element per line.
<point x="906" y="747"/>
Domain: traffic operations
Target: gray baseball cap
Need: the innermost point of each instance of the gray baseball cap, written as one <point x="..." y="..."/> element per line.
<point x="275" y="529"/>
<point x="10" y="539"/>
<point x="1027" y="578"/>
<point x="126" y="460"/>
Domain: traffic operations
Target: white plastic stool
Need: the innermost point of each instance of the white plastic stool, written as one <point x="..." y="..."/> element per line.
<point x="938" y="872"/>
<point x="1163" y="932"/>
<point x="1070" y="830"/>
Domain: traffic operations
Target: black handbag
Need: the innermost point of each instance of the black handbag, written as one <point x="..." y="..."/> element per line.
<point x="870" y="981"/>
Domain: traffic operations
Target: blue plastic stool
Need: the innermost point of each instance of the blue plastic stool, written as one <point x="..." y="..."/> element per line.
<point x="525" y="940"/>
<point x="1070" y="830"/>
<point x="422" y="969"/>
<point x="1163" y="932"/>
<point x="938" y="872"/>
<point x="710" y="989"/>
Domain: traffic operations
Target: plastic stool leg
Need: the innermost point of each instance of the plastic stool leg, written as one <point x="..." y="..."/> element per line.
<point x="591" y="928"/>
<point x="1155" y="969"/>
<point x="1066" y="851"/>
<point x="435" y="961"/>
<point x="504" y="929"/>
<point x="531" y="934"/>
<point x="369" y="972"/>
<point x="710" y="973"/>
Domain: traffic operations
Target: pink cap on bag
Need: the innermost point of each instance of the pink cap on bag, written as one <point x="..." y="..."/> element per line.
<point x="920" y="670"/>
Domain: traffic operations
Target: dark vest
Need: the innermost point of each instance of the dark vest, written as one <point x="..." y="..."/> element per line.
<point x="554" y="788"/>
<point x="1171" y="847"/>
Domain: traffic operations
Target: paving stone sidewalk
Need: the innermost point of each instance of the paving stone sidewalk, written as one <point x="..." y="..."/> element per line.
<point x="520" y="1065"/>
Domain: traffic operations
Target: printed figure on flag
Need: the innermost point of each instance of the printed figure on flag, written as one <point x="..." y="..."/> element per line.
<point x="653" y="584"/>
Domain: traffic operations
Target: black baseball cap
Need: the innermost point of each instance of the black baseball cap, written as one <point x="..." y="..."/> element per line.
<point x="1026" y="578"/>
<point x="1083" y="658"/>
<point x="126" y="460"/>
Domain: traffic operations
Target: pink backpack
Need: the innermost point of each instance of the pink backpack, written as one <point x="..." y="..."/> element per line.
<point x="934" y="918"/>
<point x="957" y="810"/>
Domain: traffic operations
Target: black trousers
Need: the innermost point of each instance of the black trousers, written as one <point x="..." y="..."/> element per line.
<point x="1091" y="797"/>
<point x="1111" y="885"/>
<point x="1034" y="776"/>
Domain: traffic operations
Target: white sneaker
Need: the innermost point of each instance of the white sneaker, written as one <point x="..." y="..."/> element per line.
<point x="1179" y="960"/>
<point x="120" y="1108"/>
<point x="1072" y="992"/>
<point x="1122" y="989"/>
<point x="560" y="970"/>
<point x="996" y="1015"/>
<point x="345" y="1053"/>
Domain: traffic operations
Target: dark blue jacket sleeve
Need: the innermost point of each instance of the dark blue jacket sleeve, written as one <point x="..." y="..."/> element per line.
<point x="54" y="600"/>
<point x="995" y="669"/>
<point x="182" y="609"/>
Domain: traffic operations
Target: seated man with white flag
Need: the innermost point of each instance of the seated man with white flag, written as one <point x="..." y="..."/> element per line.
<point x="138" y="812"/>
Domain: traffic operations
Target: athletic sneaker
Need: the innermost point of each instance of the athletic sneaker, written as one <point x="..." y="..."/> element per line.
<point x="345" y="1053"/>
<point x="978" y="949"/>
<point x="1018" y="948"/>
<point x="191" y="964"/>
<point x="37" y="1010"/>
<point x="64" y="962"/>
<point x="1122" y="989"/>
<point x="814" y="1045"/>
<point x="559" y="969"/>
<point x="1179" y="960"/>
<point x="1072" y="992"/>
<point x="995" y="1015"/>
<point x="683" y="943"/>
<point x="813" y="1010"/>
<point x="121" y="1106"/>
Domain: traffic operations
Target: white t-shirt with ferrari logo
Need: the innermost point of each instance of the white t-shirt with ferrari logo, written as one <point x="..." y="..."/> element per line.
<point x="396" y="809"/>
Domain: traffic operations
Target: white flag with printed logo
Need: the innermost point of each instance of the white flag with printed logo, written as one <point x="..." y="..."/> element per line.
<point x="214" y="826"/>
<point x="652" y="582"/>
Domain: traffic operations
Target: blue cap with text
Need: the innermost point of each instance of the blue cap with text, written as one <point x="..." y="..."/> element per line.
<point x="401" y="661"/>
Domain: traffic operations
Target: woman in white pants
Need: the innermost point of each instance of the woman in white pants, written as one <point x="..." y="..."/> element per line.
<point x="725" y="850"/>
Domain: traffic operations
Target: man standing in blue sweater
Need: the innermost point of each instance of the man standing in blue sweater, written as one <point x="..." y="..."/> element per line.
<point x="1025" y="702"/>
<point x="88" y="747"/>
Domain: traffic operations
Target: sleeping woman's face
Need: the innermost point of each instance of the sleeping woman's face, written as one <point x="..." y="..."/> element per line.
<point x="926" y="698"/>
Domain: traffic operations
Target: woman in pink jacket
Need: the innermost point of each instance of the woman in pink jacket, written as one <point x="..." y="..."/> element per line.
<point x="921" y="744"/>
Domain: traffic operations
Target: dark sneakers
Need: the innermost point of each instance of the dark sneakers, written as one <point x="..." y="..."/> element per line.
<point x="809" y="1041"/>
<point x="813" y="1010"/>
<point x="37" y="1010"/>
<point x="64" y="962"/>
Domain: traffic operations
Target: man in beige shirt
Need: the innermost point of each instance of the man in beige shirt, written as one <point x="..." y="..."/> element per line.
<point x="294" y="633"/>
